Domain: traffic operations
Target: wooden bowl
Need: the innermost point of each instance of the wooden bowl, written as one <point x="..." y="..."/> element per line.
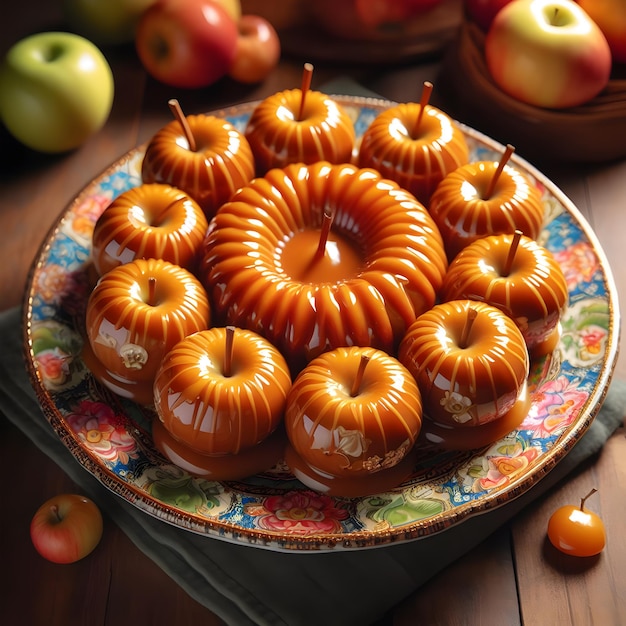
<point x="591" y="133"/>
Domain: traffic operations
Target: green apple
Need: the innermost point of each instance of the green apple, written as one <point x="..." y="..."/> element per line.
<point x="105" y="22"/>
<point x="56" y="90"/>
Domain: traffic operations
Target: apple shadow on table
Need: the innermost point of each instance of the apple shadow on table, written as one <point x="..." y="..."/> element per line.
<point x="565" y="563"/>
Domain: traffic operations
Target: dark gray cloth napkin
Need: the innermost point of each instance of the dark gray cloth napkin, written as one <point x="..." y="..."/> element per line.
<point x="247" y="585"/>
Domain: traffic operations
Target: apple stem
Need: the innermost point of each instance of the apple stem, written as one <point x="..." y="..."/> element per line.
<point x="471" y="316"/>
<point x="228" y="351"/>
<point x="176" y="109"/>
<point x="358" y="379"/>
<point x="307" y="74"/>
<point x="512" y="251"/>
<point x="583" y="500"/>
<point x="426" y="92"/>
<point x="151" y="290"/>
<point x="54" y="514"/>
<point x="327" y="222"/>
<point x="509" y="150"/>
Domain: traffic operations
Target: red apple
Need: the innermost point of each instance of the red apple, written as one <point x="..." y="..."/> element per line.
<point x="610" y="16"/>
<point x="482" y="12"/>
<point x="258" y="50"/>
<point x="547" y="53"/>
<point x="186" y="43"/>
<point x="66" y="528"/>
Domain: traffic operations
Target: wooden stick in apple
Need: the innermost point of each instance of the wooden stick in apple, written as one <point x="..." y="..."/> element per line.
<point x="425" y="99"/>
<point x="327" y="222"/>
<point x="176" y="109"/>
<point x="517" y="235"/>
<point x="228" y="351"/>
<point x="307" y="75"/>
<point x="467" y="329"/>
<point x="508" y="151"/>
<point x="358" y="379"/>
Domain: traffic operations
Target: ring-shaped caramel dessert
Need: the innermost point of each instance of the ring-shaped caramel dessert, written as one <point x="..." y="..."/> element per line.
<point x="383" y="264"/>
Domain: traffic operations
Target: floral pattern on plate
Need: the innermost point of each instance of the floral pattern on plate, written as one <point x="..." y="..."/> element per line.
<point x="110" y="436"/>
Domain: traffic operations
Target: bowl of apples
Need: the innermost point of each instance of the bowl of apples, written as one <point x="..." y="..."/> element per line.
<point x="568" y="96"/>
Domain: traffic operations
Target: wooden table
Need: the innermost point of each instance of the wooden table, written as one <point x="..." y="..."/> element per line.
<point x="510" y="579"/>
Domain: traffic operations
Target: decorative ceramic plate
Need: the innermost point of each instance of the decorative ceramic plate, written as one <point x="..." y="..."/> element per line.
<point x="110" y="436"/>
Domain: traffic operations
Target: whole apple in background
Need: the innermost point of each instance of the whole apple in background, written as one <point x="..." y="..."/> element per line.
<point x="56" y="90"/>
<point x="105" y="22"/>
<point x="258" y="50"/>
<point x="482" y="12"/>
<point x="186" y="43"/>
<point x="66" y="528"/>
<point x="610" y="16"/>
<point x="547" y="53"/>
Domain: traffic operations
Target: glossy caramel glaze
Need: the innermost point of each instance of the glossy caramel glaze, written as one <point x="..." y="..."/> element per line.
<point x="466" y="381"/>
<point x="245" y="265"/>
<point x="416" y="156"/>
<point x="217" y="411"/>
<point x="152" y="221"/>
<point x="278" y="136"/>
<point x="129" y="330"/>
<point x="343" y="431"/>
<point x="221" y="163"/>
<point x="464" y="210"/>
<point x="533" y="292"/>
<point x="248" y="462"/>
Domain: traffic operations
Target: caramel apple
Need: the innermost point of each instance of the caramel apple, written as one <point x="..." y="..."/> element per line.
<point x="415" y="144"/>
<point x="314" y="257"/>
<point x="485" y="198"/>
<point x="471" y="365"/>
<point x="352" y="418"/>
<point x="204" y="155"/>
<point x="299" y="126"/>
<point x="520" y="277"/>
<point x="150" y="221"/>
<point x="221" y="393"/>
<point x="136" y="313"/>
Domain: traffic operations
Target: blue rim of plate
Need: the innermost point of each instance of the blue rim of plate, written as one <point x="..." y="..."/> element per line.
<point x="110" y="436"/>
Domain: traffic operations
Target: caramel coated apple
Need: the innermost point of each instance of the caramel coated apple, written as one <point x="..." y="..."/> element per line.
<point x="471" y="365"/>
<point x="381" y="265"/>
<point x="222" y="391"/>
<point x="353" y="416"/>
<point x="415" y="146"/>
<point x="210" y="170"/>
<point x="467" y="206"/>
<point x="136" y="313"/>
<point x="152" y="221"/>
<point x="280" y="133"/>
<point x="520" y="277"/>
